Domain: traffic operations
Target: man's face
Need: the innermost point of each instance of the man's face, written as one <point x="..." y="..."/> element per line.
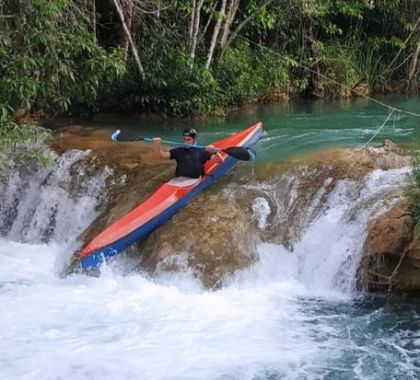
<point x="189" y="140"/>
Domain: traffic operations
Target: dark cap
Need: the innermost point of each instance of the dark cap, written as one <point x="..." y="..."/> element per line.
<point x="190" y="132"/>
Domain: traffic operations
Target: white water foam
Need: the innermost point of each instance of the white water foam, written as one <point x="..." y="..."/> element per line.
<point x="266" y="322"/>
<point x="43" y="208"/>
<point x="261" y="210"/>
<point x="133" y="327"/>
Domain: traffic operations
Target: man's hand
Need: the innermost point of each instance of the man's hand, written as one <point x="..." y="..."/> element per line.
<point x="212" y="149"/>
<point x="158" y="148"/>
<point x="216" y="157"/>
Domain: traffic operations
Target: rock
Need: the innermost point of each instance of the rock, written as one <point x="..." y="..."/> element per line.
<point x="215" y="237"/>
<point x="22" y="116"/>
<point x="390" y="146"/>
<point x="391" y="257"/>
<point x="414" y="249"/>
<point x="390" y="233"/>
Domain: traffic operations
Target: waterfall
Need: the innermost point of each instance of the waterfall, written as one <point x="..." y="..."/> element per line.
<point x="327" y="254"/>
<point x="290" y="315"/>
<point x="53" y="203"/>
<point x="56" y="203"/>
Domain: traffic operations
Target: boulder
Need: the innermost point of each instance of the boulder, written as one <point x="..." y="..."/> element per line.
<point x="214" y="237"/>
<point x="391" y="255"/>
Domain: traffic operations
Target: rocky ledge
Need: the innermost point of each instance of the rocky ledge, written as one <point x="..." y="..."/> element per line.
<point x="391" y="257"/>
<point x="218" y="233"/>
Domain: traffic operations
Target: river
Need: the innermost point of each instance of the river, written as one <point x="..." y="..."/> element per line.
<point x="292" y="315"/>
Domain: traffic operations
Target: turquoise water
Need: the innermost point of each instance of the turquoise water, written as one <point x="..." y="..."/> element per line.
<point x="377" y="340"/>
<point x="306" y="126"/>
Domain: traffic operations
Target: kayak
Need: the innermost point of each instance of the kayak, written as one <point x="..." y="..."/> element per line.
<point x="162" y="204"/>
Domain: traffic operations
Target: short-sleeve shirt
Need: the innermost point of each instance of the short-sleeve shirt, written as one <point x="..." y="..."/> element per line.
<point x="190" y="161"/>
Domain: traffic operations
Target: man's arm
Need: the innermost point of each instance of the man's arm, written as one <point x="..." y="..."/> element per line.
<point x="216" y="156"/>
<point x="160" y="152"/>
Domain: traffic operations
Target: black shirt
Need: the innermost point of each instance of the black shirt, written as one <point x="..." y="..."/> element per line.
<point x="190" y="161"/>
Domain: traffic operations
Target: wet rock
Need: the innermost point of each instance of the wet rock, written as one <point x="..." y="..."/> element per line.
<point x="391" y="258"/>
<point x="390" y="146"/>
<point x="391" y="232"/>
<point x="216" y="237"/>
<point x="297" y="190"/>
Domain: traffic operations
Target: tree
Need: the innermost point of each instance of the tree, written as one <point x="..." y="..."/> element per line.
<point x="194" y="26"/>
<point x="49" y="58"/>
<point x="216" y="32"/>
<point x="126" y="28"/>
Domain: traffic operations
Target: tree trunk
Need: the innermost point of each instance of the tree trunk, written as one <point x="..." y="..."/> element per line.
<point x="215" y="34"/>
<point x="239" y="28"/>
<point x="317" y="80"/>
<point x="390" y="66"/>
<point x="130" y="39"/>
<point x="209" y="20"/>
<point x="192" y="22"/>
<point x="412" y="75"/>
<point x="94" y="19"/>
<point x="195" y="26"/>
<point x="129" y="13"/>
<point x="230" y="17"/>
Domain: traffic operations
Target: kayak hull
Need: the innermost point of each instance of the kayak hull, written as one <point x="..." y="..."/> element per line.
<point x="162" y="205"/>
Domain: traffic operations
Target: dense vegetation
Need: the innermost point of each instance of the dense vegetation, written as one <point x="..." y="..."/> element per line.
<point x="186" y="57"/>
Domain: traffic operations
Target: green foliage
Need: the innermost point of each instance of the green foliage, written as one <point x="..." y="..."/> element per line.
<point x="339" y="64"/>
<point x="20" y="145"/>
<point x="51" y="61"/>
<point x="251" y="76"/>
<point x="241" y="85"/>
<point x="188" y="88"/>
<point x="49" y="58"/>
<point x="174" y="86"/>
<point x="370" y="66"/>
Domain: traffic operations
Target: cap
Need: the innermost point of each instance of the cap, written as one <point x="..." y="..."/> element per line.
<point x="190" y="132"/>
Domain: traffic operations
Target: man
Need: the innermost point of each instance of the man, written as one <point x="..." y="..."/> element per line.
<point x="190" y="160"/>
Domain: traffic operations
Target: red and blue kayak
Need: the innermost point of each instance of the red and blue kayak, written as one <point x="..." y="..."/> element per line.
<point x="162" y="204"/>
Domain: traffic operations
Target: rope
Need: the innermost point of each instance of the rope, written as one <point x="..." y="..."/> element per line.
<point x="392" y="108"/>
<point x="394" y="121"/>
<point x="379" y="129"/>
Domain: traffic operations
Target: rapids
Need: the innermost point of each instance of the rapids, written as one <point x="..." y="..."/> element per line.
<point x="293" y="314"/>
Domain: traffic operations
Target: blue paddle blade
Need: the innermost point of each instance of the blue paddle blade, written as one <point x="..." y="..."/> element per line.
<point x="126" y="136"/>
<point x="115" y="135"/>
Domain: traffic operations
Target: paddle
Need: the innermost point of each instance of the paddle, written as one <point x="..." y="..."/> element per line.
<point x="238" y="152"/>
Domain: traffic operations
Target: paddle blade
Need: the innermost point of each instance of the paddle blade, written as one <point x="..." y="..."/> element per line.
<point x="115" y="135"/>
<point x="125" y="136"/>
<point x="241" y="153"/>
